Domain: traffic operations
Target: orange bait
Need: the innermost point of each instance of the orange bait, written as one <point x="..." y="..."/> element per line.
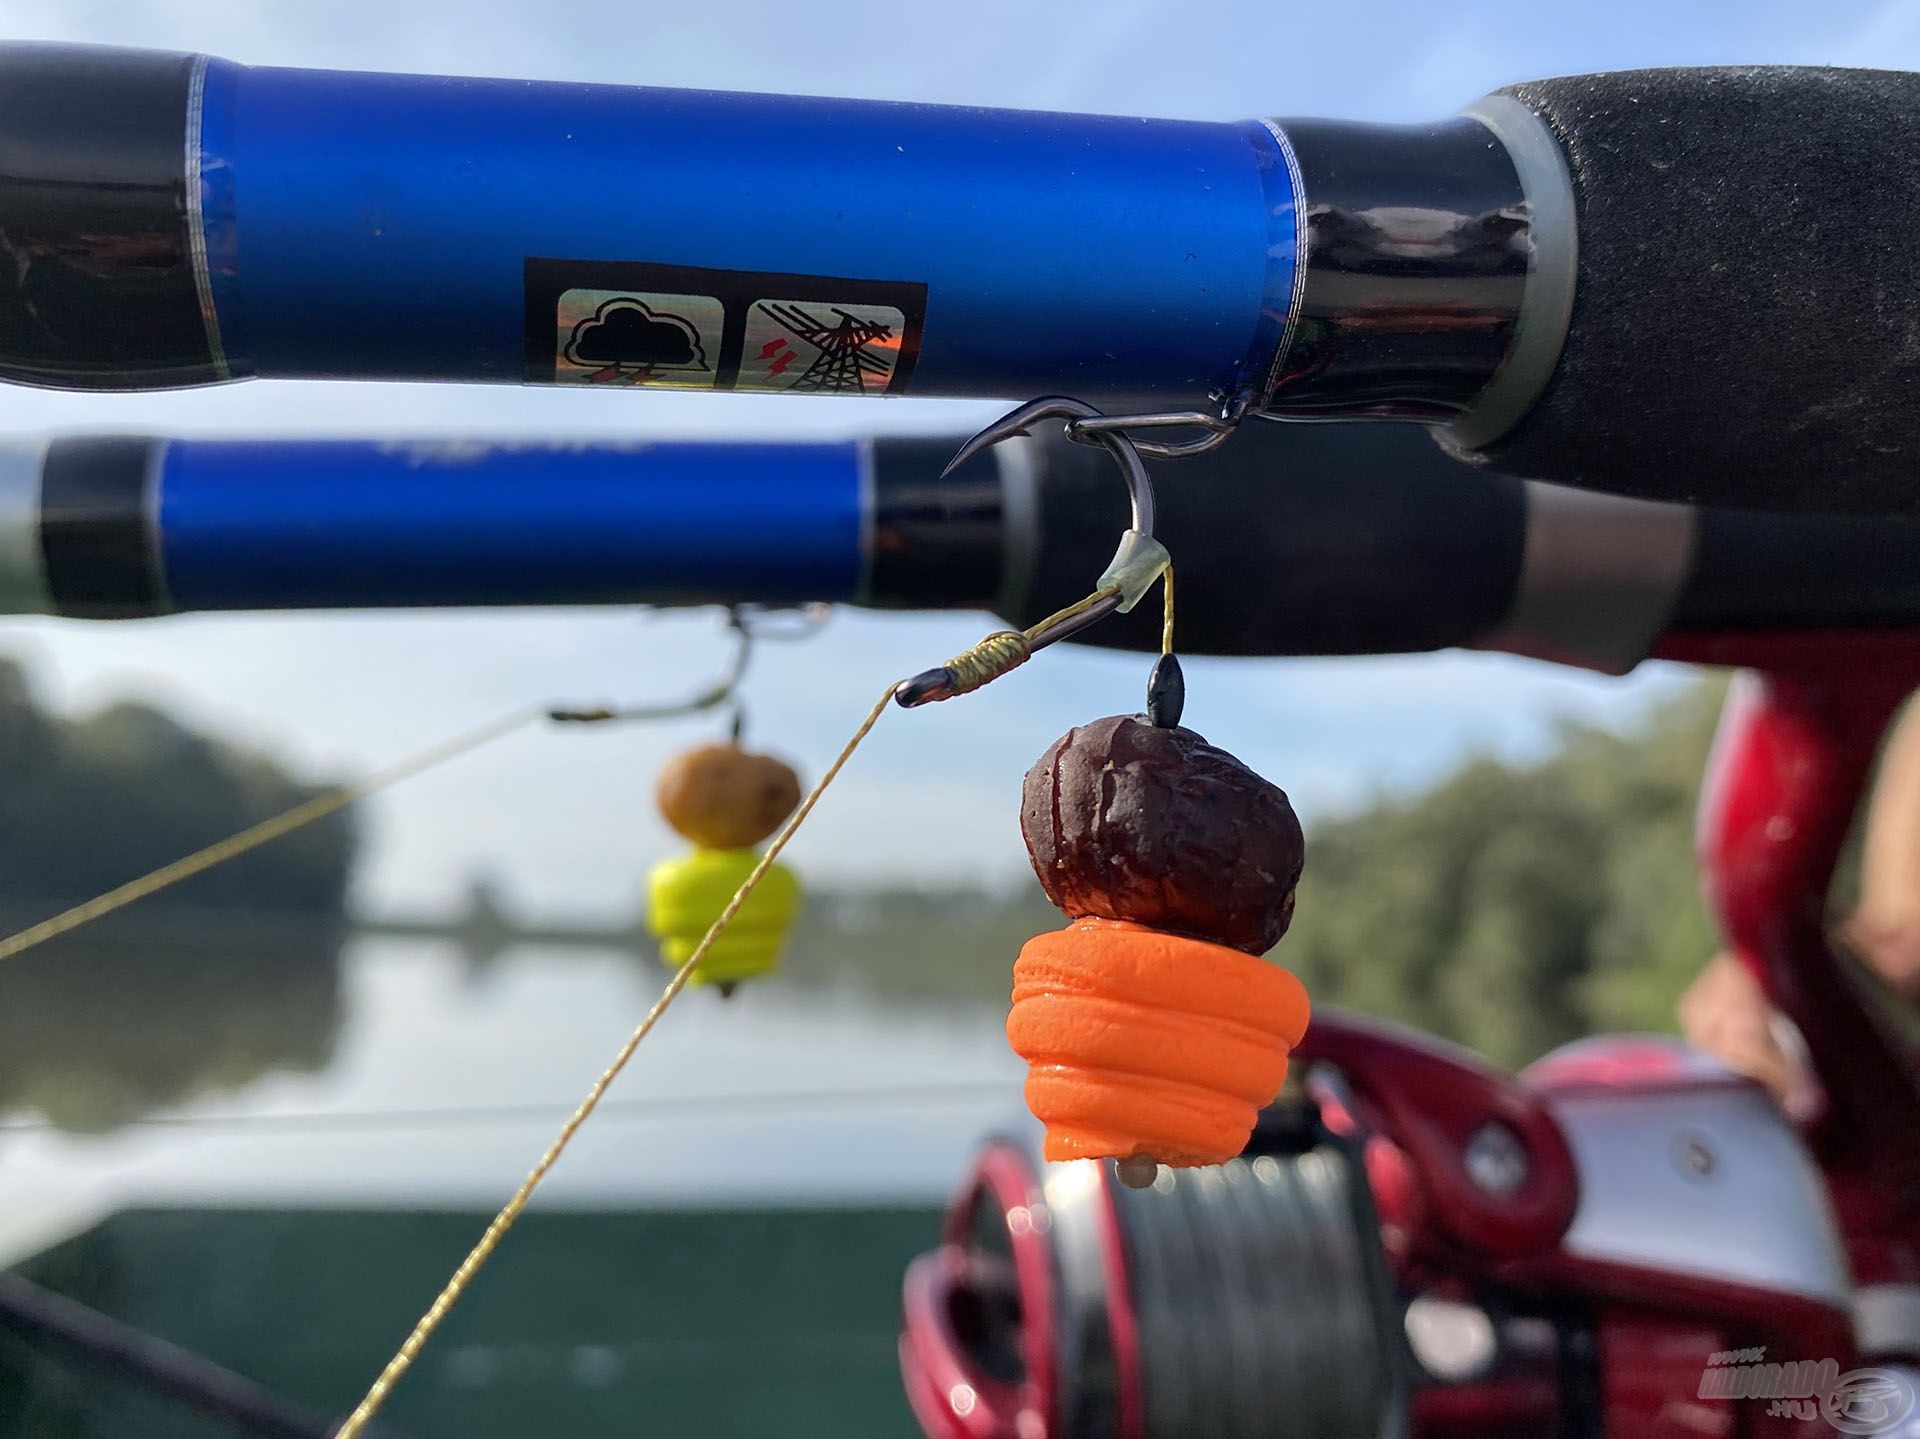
<point x="1144" y="1042"/>
<point x="1152" y="1029"/>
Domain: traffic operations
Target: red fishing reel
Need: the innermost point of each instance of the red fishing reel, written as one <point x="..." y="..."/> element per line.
<point x="1412" y="1244"/>
<point x="1624" y="1241"/>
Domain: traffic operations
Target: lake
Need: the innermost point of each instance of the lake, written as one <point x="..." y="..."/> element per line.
<point x="294" y="1149"/>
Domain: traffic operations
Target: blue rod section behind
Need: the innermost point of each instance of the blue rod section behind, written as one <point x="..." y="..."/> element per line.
<point x="406" y="227"/>
<point x="326" y="524"/>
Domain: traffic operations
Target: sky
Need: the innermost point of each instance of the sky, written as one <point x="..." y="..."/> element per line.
<point x="564" y="820"/>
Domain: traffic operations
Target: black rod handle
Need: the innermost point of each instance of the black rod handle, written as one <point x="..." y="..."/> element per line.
<point x="1745" y="316"/>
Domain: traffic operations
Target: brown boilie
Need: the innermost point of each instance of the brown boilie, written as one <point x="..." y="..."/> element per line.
<point x="1126" y="820"/>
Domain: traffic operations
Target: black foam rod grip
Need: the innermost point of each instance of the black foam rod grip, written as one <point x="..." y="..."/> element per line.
<point x="1745" y="327"/>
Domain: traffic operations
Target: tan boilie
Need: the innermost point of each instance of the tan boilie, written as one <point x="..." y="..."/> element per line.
<point x="726" y="800"/>
<point x="721" y="796"/>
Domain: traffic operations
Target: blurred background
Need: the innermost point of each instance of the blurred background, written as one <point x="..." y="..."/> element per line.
<point x="355" y="1044"/>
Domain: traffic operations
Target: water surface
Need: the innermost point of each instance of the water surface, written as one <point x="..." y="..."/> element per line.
<point x="401" y="1073"/>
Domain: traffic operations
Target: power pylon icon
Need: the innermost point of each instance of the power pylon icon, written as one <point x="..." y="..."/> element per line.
<point x="844" y="363"/>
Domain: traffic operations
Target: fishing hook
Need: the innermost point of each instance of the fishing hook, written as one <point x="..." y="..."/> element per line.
<point x="725" y="690"/>
<point x="1139" y="561"/>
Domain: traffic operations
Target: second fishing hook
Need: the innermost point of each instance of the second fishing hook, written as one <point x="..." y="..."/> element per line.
<point x="746" y="625"/>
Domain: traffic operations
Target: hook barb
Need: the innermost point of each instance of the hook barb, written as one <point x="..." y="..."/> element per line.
<point x="1017" y="422"/>
<point x="1060" y="407"/>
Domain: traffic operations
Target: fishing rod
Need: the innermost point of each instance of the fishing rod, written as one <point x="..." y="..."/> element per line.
<point x="84" y="1336"/>
<point x="1370" y="540"/>
<point x="1624" y="282"/>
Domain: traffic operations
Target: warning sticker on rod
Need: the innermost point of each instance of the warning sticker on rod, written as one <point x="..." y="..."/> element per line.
<point x="610" y="337"/>
<point x="637" y="325"/>
<point x="830" y="349"/>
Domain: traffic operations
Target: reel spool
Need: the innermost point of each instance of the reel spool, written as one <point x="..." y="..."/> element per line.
<point x="1250" y="1299"/>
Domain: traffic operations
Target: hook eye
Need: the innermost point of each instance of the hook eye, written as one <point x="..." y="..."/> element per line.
<point x="1213" y="428"/>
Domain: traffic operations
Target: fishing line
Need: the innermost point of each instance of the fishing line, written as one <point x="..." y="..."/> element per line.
<point x="462" y="1116"/>
<point x="985" y="661"/>
<point x="268" y="830"/>
<point x="311" y="811"/>
<point x="489" y="1240"/>
<point x="1138" y="563"/>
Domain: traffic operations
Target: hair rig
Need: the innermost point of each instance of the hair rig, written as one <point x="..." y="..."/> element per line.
<point x="1153" y="1029"/>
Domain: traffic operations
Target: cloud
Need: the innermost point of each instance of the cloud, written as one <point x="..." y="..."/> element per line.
<point x="626" y="332"/>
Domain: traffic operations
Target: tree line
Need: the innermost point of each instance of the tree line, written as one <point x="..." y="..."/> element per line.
<point x="1509" y="907"/>
<point x="89" y="802"/>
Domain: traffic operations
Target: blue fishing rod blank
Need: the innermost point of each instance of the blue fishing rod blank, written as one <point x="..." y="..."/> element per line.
<point x="408" y="227"/>
<point x="120" y="527"/>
